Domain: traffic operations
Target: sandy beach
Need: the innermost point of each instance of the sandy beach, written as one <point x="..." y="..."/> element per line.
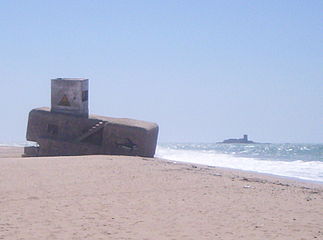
<point x="119" y="197"/>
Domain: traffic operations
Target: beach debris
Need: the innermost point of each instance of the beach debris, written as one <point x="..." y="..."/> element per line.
<point x="314" y="192"/>
<point x="248" y="186"/>
<point x="281" y="184"/>
<point x="253" y="180"/>
<point x="217" y="174"/>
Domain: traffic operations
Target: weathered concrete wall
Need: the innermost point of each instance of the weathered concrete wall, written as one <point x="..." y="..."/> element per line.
<point x="50" y="147"/>
<point x="66" y="134"/>
<point x="45" y="124"/>
<point x="70" y="95"/>
<point x="124" y="138"/>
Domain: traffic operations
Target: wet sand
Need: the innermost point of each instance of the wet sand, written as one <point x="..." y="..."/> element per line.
<point x="118" y="197"/>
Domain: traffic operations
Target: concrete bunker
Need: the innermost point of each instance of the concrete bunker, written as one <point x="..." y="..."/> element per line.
<point x="67" y="128"/>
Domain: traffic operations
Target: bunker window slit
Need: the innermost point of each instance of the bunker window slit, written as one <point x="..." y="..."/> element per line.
<point x="85" y="96"/>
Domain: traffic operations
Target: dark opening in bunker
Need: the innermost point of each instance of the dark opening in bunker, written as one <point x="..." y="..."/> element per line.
<point x="85" y="95"/>
<point x="52" y="129"/>
<point x="31" y="149"/>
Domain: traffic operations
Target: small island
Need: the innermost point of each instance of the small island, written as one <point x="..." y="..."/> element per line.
<point x="238" y="140"/>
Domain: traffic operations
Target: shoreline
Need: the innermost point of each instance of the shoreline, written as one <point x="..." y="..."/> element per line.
<point x="17" y="151"/>
<point x="258" y="175"/>
<point x="281" y="161"/>
<point x="120" y="197"/>
<point x="281" y="177"/>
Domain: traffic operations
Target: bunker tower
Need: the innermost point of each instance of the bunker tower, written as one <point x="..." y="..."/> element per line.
<point x="70" y="95"/>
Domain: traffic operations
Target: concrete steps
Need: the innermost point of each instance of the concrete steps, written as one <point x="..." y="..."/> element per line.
<point x="94" y="129"/>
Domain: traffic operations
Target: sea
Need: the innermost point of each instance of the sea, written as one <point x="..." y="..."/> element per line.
<point x="299" y="161"/>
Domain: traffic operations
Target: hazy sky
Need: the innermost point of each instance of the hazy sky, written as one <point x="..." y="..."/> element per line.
<point x="203" y="70"/>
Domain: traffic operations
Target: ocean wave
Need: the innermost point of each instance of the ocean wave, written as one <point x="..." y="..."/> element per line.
<point x="307" y="170"/>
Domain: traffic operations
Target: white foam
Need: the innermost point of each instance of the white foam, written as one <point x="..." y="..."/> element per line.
<point x="18" y="144"/>
<point x="312" y="170"/>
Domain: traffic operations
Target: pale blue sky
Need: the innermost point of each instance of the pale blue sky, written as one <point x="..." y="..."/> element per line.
<point x="203" y="70"/>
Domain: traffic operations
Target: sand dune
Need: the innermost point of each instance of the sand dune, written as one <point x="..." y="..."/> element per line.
<point x="118" y="197"/>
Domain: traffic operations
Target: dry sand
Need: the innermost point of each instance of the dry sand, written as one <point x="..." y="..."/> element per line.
<point x="117" y="197"/>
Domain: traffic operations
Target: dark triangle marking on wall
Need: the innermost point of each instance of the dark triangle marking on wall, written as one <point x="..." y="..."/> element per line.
<point x="64" y="101"/>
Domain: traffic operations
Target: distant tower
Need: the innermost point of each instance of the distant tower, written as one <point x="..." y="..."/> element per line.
<point x="70" y="95"/>
<point x="245" y="137"/>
